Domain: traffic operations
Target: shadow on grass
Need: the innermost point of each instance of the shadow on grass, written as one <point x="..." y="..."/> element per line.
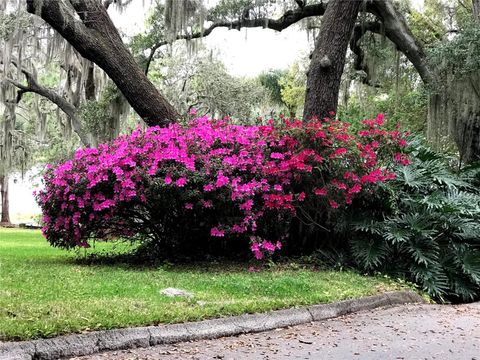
<point x="140" y="262"/>
<point x="137" y="257"/>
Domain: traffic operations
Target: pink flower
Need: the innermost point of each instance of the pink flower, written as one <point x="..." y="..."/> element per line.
<point x="208" y="187"/>
<point x="380" y="119"/>
<point x="258" y="255"/>
<point x="181" y="182"/>
<point x="247" y="205"/>
<point x="338" y="152"/>
<point x="221" y="179"/>
<point x="267" y="245"/>
<point x="355" y="189"/>
<point x="333" y="204"/>
<point x="192" y="111"/>
<point x="301" y="196"/>
<point x="189" y="206"/>
<point x="217" y="232"/>
<point x="207" y="204"/>
<point x="320" y="192"/>
<point x="402" y="159"/>
<point x="238" y="229"/>
<point x="168" y="179"/>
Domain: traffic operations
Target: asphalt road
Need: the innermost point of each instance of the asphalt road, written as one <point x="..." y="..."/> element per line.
<point x="403" y="332"/>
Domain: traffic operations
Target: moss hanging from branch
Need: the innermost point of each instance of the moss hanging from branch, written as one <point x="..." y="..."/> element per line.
<point x="183" y="15"/>
<point x="454" y="108"/>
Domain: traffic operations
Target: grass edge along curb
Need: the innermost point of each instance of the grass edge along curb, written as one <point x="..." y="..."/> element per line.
<point x="120" y="339"/>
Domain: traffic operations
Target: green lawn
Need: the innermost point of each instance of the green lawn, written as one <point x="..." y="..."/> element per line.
<point x="45" y="292"/>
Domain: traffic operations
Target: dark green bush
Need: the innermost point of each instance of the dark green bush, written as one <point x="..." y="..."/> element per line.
<point x="425" y="226"/>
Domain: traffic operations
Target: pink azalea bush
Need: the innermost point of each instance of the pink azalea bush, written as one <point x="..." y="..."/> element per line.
<point x="187" y="186"/>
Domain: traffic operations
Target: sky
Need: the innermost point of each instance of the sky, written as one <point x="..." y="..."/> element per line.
<point x="245" y="53"/>
<point x="22" y="202"/>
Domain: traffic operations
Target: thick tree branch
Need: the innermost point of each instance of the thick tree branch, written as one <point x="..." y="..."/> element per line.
<point x="396" y="30"/>
<point x="289" y="18"/>
<point x="97" y="39"/>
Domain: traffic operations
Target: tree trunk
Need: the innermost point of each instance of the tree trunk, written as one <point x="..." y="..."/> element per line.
<point x="454" y="112"/>
<point x="92" y="33"/>
<point x="476" y="10"/>
<point x="90" y="82"/>
<point x="328" y="58"/>
<point x="5" y="218"/>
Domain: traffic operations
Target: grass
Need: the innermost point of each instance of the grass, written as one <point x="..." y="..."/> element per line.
<point x="46" y="292"/>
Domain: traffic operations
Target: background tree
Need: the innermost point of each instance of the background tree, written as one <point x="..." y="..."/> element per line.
<point x="89" y="35"/>
<point x="95" y="24"/>
<point x="292" y="89"/>
<point x="39" y="69"/>
<point x="454" y="108"/>
<point x="271" y="81"/>
<point x="86" y="25"/>
<point x="200" y="80"/>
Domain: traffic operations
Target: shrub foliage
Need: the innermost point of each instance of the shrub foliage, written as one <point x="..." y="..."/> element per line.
<point x="214" y="187"/>
<point x="429" y="230"/>
<point x="179" y="187"/>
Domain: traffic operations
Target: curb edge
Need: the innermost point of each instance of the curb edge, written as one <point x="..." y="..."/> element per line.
<point x="120" y="339"/>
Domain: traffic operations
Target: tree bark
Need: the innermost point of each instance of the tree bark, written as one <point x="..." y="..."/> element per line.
<point x="5" y="218"/>
<point x="476" y="10"/>
<point x="395" y="28"/>
<point x="90" y="82"/>
<point x="95" y="37"/>
<point x="328" y="58"/>
<point x="454" y="112"/>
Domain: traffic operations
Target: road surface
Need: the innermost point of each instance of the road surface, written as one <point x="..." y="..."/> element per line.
<point x="403" y="332"/>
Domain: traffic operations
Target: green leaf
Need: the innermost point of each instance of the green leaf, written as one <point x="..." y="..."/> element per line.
<point x="371" y="253"/>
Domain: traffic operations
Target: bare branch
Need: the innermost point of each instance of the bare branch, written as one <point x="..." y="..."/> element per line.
<point x="301" y="3"/>
<point x="287" y="19"/>
<point x="390" y="22"/>
<point x="107" y="3"/>
<point x="359" y="63"/>
<point x="396" y="30"/>
<point x="69" y="109"/>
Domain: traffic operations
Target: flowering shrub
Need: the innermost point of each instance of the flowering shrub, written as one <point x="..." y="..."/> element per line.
<point x="182" y="186"/>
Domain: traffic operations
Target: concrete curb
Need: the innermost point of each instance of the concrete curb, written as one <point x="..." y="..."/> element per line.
<point x="98" y="341"/>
